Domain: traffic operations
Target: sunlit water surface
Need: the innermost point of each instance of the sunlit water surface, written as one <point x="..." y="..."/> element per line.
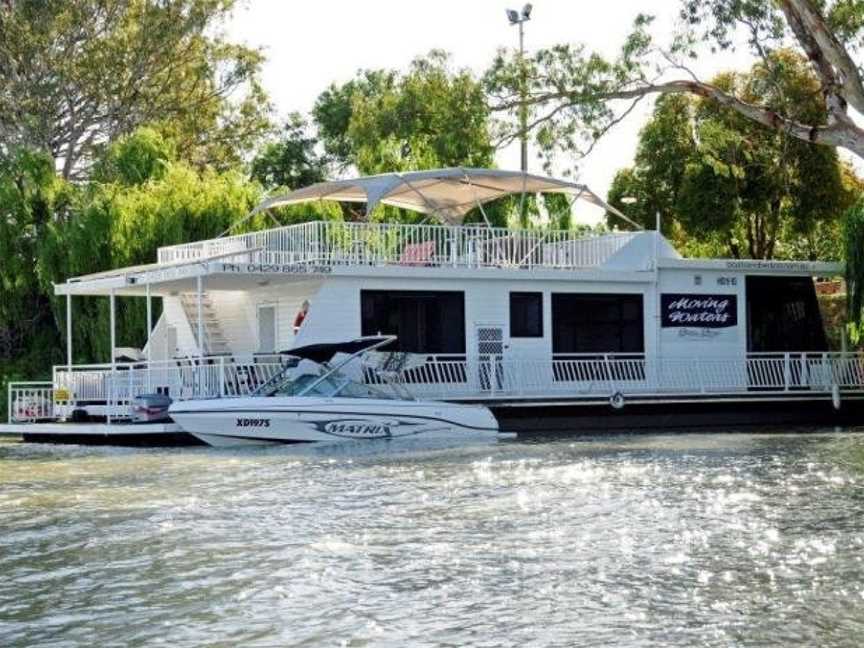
<point x="668" y="540"/>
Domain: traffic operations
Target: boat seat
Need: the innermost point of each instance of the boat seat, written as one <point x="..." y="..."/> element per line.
<point x="417" y="254"/>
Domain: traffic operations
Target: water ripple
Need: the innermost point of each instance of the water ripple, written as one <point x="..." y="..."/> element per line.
<point x="668" y="540"/>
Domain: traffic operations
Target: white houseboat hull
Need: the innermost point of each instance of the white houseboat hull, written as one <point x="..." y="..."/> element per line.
<point x="257" y="420"/>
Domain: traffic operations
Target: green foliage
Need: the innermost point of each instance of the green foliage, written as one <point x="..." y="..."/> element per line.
<point x="853" y="238"/>
<point x="722" y="178"/>
<point x="291" y="162"/>
<point x="32" y="198"/>
<point x="141" y="197"/>
<point x="570" y="92"/>
<point x="77" y="74"/>
<point x="427" y="117"/>
<point x="575" y="96"/>
<point x="136" y="158"/>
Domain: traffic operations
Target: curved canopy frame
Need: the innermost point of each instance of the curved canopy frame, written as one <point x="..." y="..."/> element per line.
<point x="446" y="194"/>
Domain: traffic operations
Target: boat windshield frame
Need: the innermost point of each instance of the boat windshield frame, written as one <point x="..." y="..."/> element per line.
<point x="372" y="343"/>
<point x="278" y="381"/>
<point x="337" y="381"/>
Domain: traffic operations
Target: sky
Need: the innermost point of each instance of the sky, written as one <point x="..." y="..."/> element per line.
<point x="311" y="44"/>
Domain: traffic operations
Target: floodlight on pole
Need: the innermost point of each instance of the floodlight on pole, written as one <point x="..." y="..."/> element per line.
<point x="520" y="18"/>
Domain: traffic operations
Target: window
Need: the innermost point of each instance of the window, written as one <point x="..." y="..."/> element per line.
<point x="424" y="321"/>
<point x="783" y="315"/>
<point x="526" y="314"/>
<point x="597" y="323"/>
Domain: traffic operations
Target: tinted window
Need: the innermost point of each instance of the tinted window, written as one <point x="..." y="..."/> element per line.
<point x="593" y="323"/>
<point x="424" y="321"/>
<point x="526" y="314"/>
<point x="783" y="315"/>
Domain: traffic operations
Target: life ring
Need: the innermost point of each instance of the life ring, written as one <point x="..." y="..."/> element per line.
<point x="616" y="400"/>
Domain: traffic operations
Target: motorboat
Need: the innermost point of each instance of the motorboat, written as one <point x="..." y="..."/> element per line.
<point x="314" y="400"/>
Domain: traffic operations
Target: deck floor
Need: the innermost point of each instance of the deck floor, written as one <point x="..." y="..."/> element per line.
<point x="122" y="434"/>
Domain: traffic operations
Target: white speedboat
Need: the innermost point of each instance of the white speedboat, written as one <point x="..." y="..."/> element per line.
<point x="310" y="401"/>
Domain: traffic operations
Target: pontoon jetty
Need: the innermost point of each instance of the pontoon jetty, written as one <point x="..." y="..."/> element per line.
<point x="550" y="329"/>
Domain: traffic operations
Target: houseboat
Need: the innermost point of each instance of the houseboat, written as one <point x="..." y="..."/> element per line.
<point x="550" y="329"/>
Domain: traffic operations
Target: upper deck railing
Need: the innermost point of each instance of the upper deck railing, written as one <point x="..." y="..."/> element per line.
<point x="338" y="244"/>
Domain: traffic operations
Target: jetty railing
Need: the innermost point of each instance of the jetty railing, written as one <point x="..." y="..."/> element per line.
<point x="103" y="390"/>
<point x="30" y="402"/>
<point x="333" y="243"/>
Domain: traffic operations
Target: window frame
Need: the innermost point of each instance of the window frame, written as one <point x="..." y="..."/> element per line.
<point x="459" y="301"/>
<point x="519" y="333"/>
<point x="623" y="299"/>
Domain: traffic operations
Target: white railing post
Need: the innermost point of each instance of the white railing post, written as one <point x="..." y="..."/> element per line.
<point x="68" y="329"/>
<point x="113" y="323"/>
<point x="221" y="376"/>
<point x="608" y="373"/>
<point x="149" y="334"/>
<point x="199" y="296"/>
<point x="701" y="374"/>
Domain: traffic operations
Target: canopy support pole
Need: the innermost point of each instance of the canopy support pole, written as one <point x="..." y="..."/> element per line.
<point x="477" y="200"/>
<point x="200" y="297"/>
<point x="149" y="322"/>
<point x="524" y="183"/>
<point x="148" y="342"/>
<point x="69" y="334"/>
<point x="432" y="207"/>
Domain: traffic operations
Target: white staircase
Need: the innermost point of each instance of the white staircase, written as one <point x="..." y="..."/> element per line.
<point x="215" y="342"/>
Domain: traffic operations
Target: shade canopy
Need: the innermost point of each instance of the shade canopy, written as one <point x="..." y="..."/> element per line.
<point x="446" y="194"/>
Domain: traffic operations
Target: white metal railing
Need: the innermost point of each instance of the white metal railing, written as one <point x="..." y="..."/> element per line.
<point x="456" y="377"/>
<point x="181" y="379"/>
<point x="580" y="376"/>
<point x="30" y="401"/>
<point x="331" y="243"/>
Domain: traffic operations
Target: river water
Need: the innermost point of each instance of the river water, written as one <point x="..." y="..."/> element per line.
<point x="644" y="540"/>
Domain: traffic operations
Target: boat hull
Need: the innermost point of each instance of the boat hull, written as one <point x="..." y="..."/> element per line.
<point x="257" y="420"/>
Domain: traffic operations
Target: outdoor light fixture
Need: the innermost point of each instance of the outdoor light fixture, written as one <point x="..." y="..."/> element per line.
<point x="519" y="18"/>
<point x="516" y="17"/>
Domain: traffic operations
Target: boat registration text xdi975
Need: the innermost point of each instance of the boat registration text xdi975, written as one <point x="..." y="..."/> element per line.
<point x="311" y="401"/>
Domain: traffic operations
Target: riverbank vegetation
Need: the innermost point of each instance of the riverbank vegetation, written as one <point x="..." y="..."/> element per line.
<point x="125" y="126"/>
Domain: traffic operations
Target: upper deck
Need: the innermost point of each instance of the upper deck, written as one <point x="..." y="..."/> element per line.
<point x="446" y="249"/>
<point x="332" y="243"/>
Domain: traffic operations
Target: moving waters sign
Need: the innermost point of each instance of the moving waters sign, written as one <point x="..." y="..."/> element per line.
<point x="698" y="311"/>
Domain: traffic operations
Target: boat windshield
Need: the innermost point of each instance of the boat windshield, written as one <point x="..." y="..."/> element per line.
<point x="333" y="385"/>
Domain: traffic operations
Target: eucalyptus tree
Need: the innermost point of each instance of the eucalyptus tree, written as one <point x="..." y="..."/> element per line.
<point x="576" y="96"/>
<point x="715" y="175"/>
<point x="77" y="74"/>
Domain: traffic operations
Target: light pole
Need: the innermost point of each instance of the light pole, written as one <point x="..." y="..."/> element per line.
<point x="520" y="18"/>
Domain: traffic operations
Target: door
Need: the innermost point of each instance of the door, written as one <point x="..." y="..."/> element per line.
<point x="490" y="352"/>
<point x="267" y="339"/>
